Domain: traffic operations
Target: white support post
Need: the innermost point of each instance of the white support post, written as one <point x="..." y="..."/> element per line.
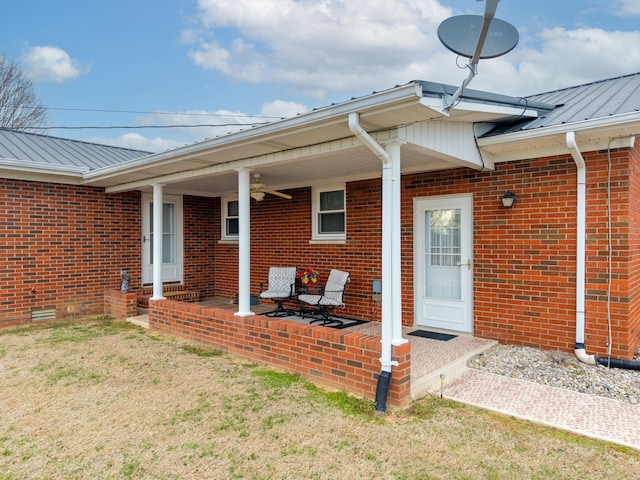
<point x="387" y="268"/>
<point x="244" y="244"/>
<point x="158" y="204"/>
<point x="393" y="150"/>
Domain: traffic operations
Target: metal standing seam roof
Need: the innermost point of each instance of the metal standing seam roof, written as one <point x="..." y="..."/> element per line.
<point x="590" y="101"/>
<point x="36" y="149"/>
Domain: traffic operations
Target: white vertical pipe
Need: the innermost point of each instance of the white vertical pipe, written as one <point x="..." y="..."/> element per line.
<point x="581" y="226"/>
<point x="393" y="150"/>
<point x="158" y="207"/>
<point x="244" y="244"/>
<point x="387" y="267"/>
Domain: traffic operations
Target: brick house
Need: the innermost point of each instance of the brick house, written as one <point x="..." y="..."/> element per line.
<point x="391" y="187"/>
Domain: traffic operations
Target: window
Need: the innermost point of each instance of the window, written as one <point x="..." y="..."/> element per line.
<point x="329" y="217"/>
<point x="230" y="219"/>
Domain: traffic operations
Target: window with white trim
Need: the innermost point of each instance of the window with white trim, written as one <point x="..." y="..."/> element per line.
<point x="329" y="213"/>
<point x="230" y="219"/>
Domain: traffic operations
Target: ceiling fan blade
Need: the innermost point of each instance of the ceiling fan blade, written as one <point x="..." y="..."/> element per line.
<point x="279" y="194"/>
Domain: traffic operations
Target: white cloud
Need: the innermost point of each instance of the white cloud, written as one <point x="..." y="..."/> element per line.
<point x="282" y="109"/>
<point x="51" y="64"/>
<point x="626" y="7"/>
<point x="316" y="46"/>
<point x="196" y="125"/>
<point x="574" y="57"/>
<point x="136" y="141"/>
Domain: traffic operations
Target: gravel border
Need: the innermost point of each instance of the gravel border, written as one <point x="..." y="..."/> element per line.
<point x="559" y="369"/>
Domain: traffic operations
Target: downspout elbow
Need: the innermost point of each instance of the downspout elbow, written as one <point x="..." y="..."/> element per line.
<point x="582" y="355"/>
<point x="364" y="137"/>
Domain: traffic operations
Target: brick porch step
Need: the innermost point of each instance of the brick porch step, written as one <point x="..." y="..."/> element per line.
<point x="171" y="293"/>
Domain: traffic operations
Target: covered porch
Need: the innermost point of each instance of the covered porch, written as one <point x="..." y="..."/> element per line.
<point x="362" y="149"/>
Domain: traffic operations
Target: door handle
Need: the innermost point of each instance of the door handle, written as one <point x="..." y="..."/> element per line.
<point x="468" y="264"/>
<point x="144" y="239"/>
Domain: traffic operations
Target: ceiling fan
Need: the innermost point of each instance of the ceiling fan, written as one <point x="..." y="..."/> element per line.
<point x="258" y="190"/>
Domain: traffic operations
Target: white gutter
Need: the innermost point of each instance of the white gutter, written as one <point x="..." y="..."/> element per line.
<point x="407" y="94"/>
<point x="387" y="239"/>
<point x="621" y="121"/>
<point x="580" y="350"/>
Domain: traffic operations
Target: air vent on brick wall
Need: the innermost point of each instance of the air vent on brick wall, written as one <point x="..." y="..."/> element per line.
<point x="43" y="314"/>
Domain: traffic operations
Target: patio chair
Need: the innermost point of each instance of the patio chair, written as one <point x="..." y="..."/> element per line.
<point x="281" y="287"/>
<point x="329" y="298"/>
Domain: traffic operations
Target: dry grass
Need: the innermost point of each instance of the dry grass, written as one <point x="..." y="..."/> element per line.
<point x="108" y="400"/>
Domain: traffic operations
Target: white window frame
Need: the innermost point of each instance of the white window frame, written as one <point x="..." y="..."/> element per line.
<point x="316" y="234"/>
<point x="225" y="235"/>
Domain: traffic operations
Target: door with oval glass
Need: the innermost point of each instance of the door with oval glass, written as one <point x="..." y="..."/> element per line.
<point x="443" y="263"/>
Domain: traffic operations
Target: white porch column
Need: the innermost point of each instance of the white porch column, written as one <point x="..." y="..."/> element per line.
<point x="395" y="211"/>
<point x="158" y="203"/>
<point x="387" y="267"/>
<point x="244" y="244"/>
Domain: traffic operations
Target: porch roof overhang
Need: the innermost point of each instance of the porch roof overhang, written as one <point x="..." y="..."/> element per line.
<point x="319" y="146"/>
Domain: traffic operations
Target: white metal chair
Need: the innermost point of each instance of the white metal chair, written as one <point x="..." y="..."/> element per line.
<point x="281" y="287"/>
<point x="330" y="298"/>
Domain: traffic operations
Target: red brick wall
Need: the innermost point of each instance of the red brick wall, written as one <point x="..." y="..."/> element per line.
<point x="633" y="318"/>
<point x="201" y="220"/>
<point x="524" y="258"/>
<point x="63" y="246"/>
<point x="280" y="236"/>
<point x="348" y="361"/>
<point x="69" y="243"/>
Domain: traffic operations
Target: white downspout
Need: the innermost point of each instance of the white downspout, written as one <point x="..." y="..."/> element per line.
<point x="244" y="244"/>
<point x="158" y="202"/>
<point x="387" y="238"/>
<point x="580" y="350"/>
<point x="393" y="150"/>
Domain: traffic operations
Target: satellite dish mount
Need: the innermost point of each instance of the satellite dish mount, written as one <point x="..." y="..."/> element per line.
<point x="476" y="37"/>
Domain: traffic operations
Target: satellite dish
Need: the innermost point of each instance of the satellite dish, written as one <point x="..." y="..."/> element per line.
<point x="460" y="35"/>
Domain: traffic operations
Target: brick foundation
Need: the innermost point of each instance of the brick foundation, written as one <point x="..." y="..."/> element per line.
<point x="348" y="361"/>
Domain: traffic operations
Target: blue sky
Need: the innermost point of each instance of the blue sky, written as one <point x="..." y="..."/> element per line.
<point x="176" y="62"/>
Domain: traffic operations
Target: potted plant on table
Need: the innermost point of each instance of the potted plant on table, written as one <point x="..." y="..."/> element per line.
<point x="308" y="277"/>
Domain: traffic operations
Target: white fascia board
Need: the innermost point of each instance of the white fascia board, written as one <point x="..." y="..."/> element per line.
<point x="328" y="115"/>
<point x="615" y="121"/>
<point x="44" y="169"/>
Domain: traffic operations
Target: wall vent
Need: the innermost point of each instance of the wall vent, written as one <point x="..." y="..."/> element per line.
<point x="43" y="315"/>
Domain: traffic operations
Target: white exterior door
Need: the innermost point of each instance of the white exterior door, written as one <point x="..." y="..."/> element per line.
<point x="171" y="239"/>
<point x="443" y="263"/>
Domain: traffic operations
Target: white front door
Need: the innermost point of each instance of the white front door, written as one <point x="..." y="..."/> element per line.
<point x="171" y="239"/>
<point x="443" y="263"/>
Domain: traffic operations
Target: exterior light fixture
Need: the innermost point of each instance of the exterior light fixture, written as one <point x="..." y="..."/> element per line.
<point x="508" y="199"/>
